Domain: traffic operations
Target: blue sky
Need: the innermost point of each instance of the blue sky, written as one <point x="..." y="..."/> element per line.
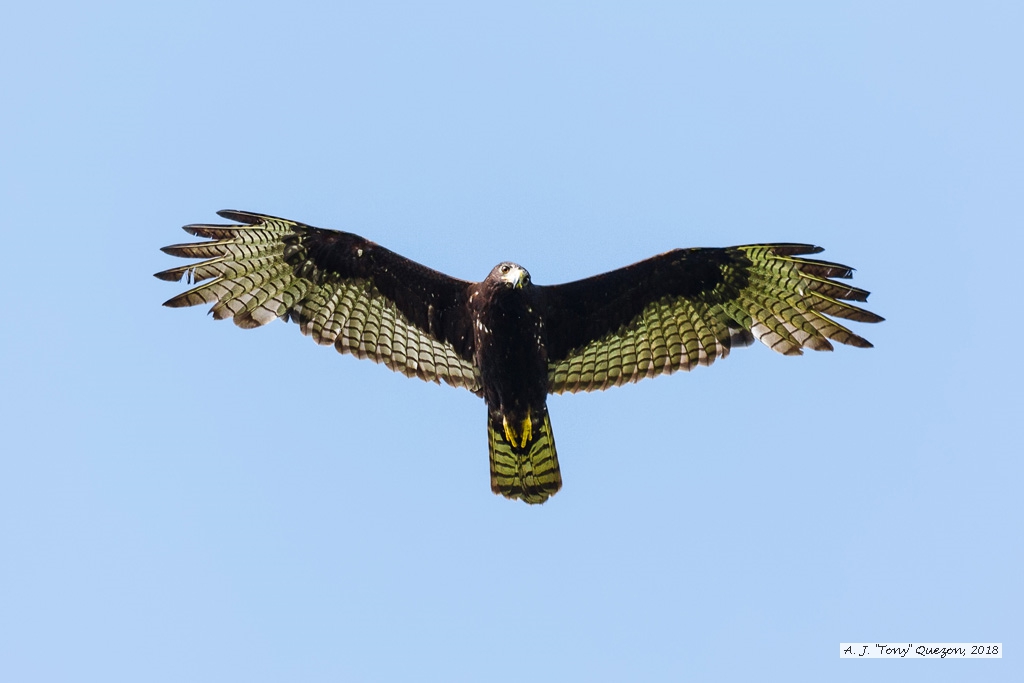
<point x="185" y="500"/>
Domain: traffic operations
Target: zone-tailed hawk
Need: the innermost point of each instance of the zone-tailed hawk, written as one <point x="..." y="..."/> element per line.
<point x="508" y="340"/>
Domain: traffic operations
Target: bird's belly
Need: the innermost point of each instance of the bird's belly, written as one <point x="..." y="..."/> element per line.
<point x="513" y="370"/>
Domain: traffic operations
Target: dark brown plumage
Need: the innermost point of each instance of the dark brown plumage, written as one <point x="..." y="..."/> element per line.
<point x="508" y="340"/>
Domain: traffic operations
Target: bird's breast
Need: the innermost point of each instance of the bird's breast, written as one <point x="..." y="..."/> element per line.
<point x="511" y="354"/>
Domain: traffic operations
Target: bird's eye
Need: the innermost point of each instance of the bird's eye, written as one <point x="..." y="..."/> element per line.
<point x="504" y="269"/>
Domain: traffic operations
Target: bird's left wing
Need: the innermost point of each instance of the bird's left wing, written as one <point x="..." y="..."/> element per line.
<point x="340" y="288"/>
<point x="690" y="306"/>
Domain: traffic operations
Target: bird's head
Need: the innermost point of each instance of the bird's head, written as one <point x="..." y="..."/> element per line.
<point x="511" y="274"/>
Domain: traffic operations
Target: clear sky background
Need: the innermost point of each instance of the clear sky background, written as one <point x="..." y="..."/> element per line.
<point x="182" y="500"/>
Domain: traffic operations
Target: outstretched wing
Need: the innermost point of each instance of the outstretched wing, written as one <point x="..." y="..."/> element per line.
<point x="340" y="288"/>
<point x="690" y="306"/>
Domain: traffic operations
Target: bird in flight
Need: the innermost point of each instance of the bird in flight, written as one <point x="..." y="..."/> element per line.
<point x="508" y="340"/>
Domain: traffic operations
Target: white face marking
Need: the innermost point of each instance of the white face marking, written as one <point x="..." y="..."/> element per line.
<point x="513" y="274"/>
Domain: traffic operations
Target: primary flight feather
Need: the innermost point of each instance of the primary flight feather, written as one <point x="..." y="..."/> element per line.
<point x="508" y="340"/>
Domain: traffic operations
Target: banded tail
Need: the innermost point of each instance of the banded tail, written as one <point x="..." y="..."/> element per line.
<point x="524" y="463"/>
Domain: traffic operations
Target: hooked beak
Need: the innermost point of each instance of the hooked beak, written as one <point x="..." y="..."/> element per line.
<point x="516" y="277"/>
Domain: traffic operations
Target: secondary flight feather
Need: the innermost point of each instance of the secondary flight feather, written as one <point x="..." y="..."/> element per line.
<point x="508" y="340"/>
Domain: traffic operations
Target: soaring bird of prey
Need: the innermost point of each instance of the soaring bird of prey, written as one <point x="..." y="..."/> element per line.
<point x="508" y="340"/>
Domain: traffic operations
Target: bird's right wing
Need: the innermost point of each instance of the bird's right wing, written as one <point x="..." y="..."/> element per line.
<point x="340" y="288"/>
<point x="690" y="306"/>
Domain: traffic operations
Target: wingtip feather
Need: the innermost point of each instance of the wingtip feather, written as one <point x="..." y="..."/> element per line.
<point x="246" y="217"/>
<point x="176" y="302"/>
<point x="171" y="275"/>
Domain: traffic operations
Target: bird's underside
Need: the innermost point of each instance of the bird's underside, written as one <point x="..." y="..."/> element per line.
<point x="508" y="340"/>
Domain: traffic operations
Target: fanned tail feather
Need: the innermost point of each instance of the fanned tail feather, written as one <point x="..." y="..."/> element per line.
<point x="529" y="473"/>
